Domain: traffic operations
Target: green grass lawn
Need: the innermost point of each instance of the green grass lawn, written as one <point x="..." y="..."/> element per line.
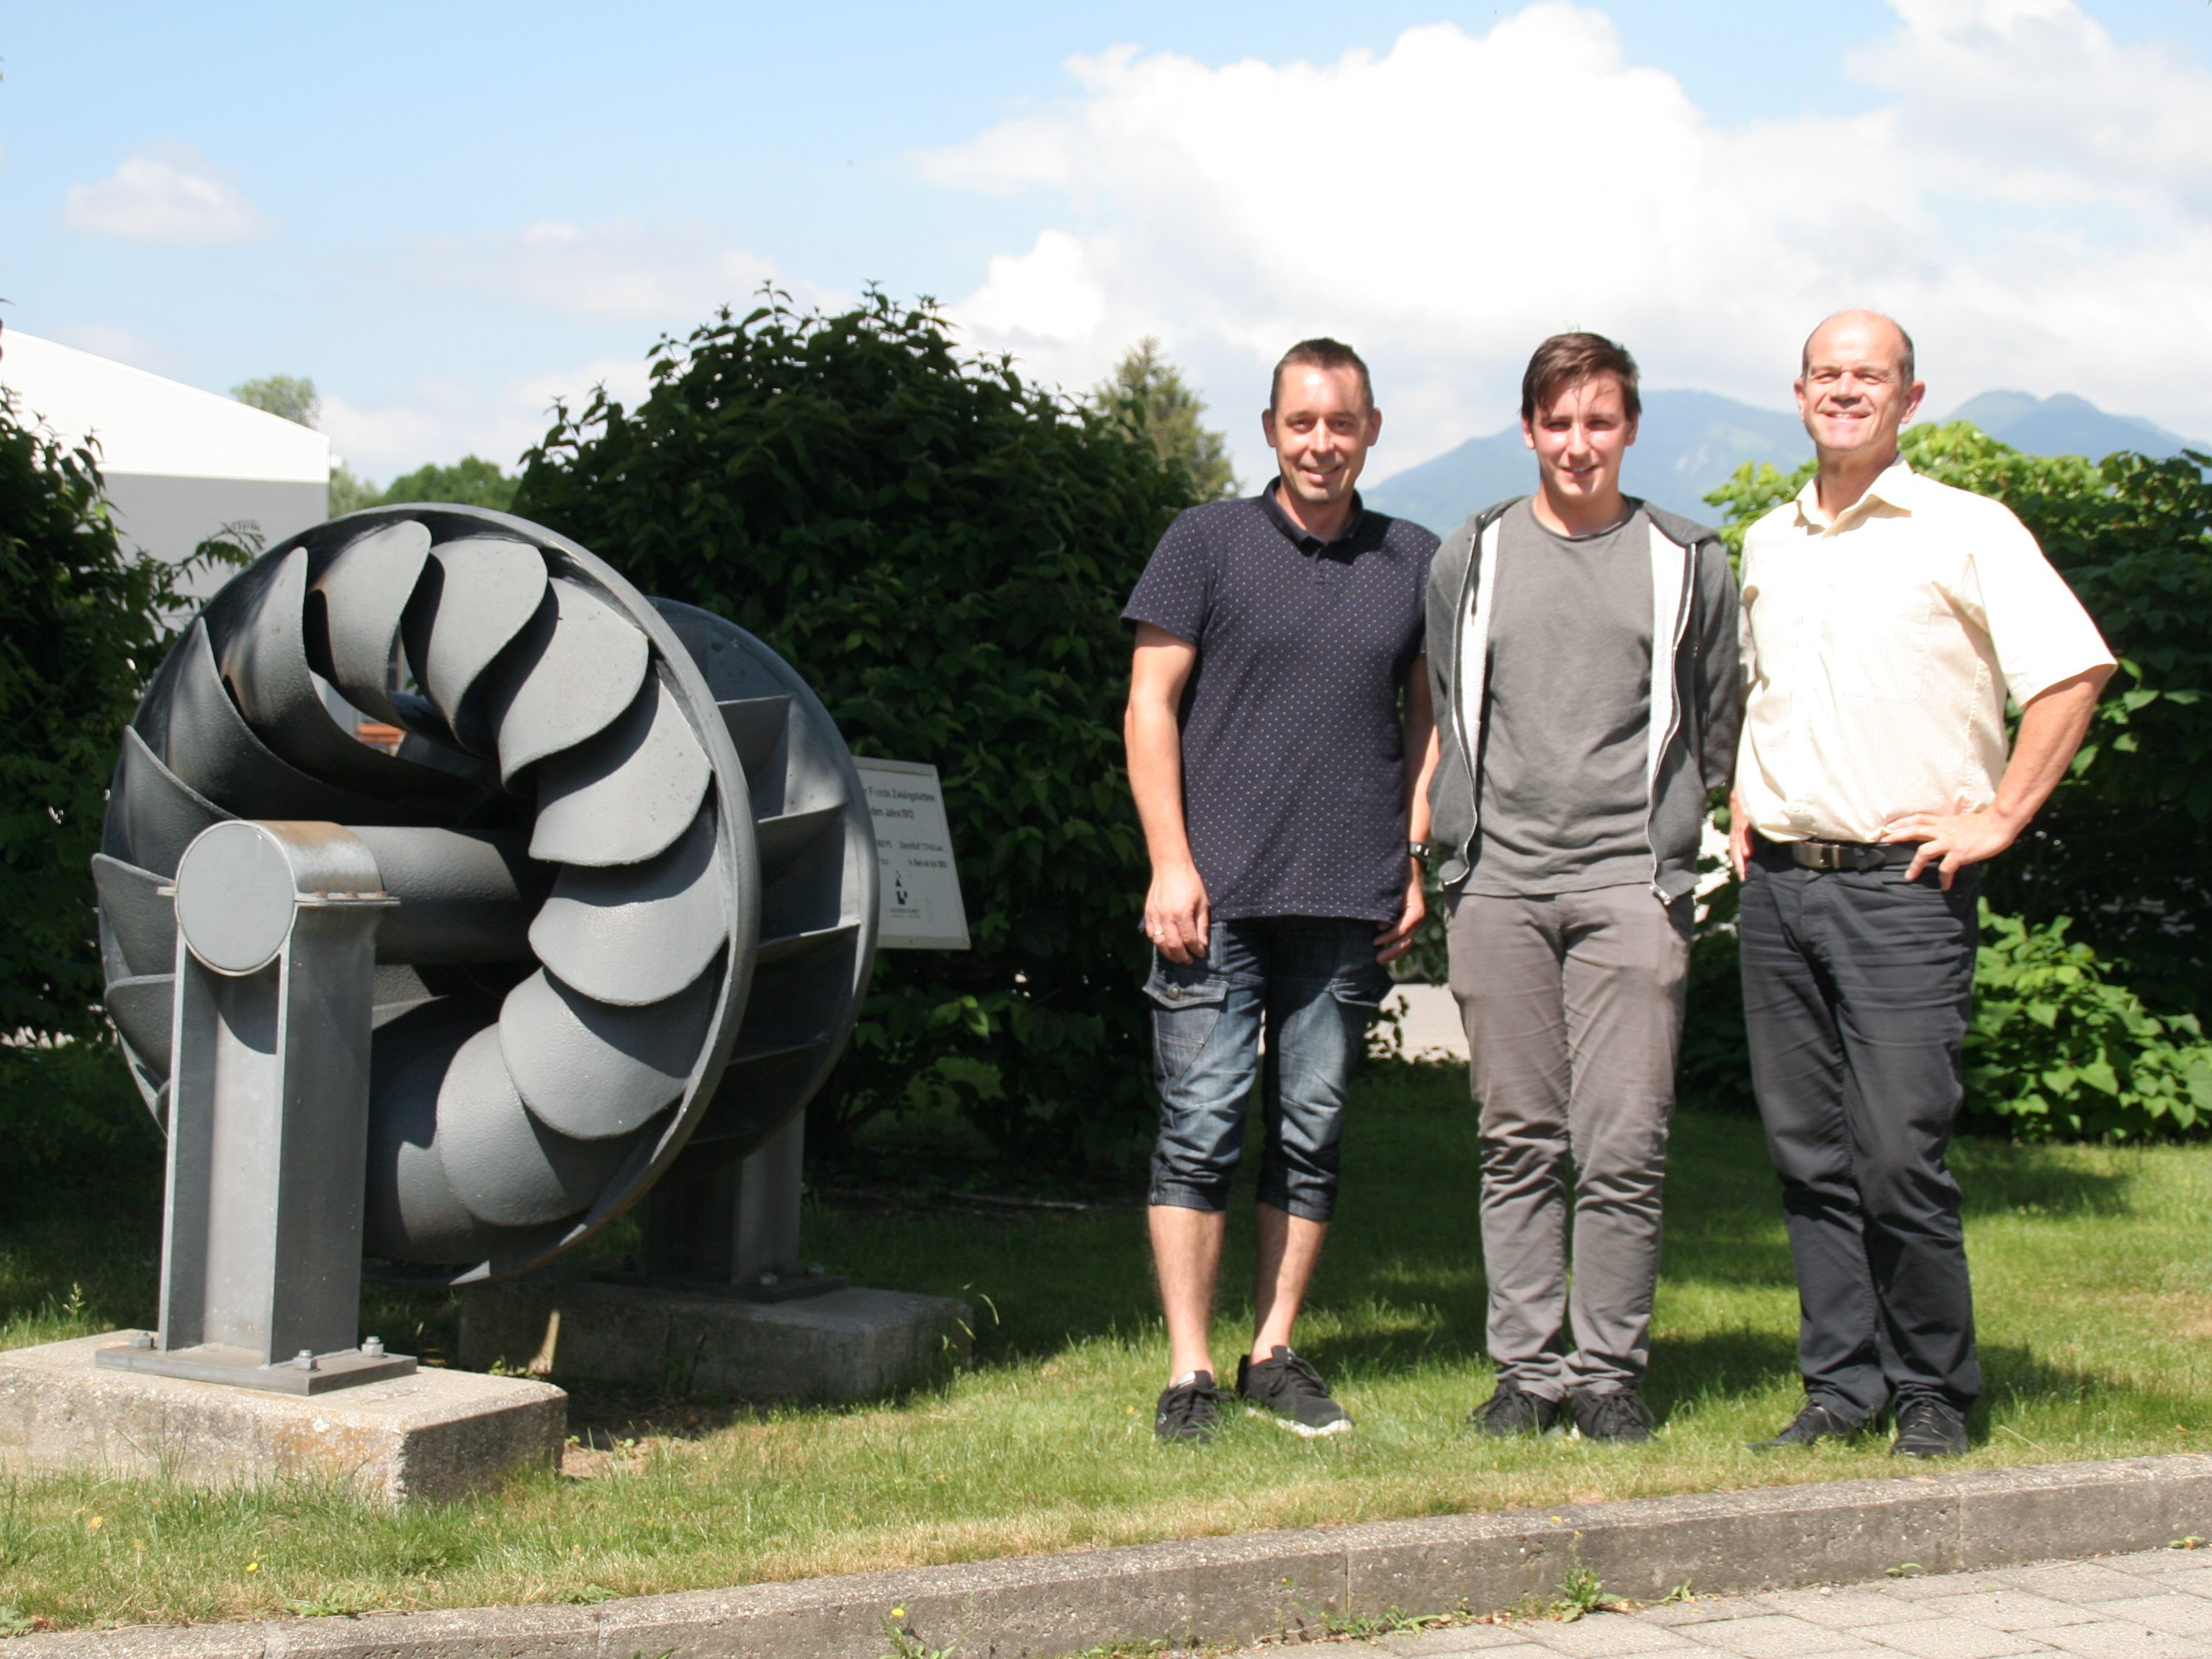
<point x="2090" y="1263"/>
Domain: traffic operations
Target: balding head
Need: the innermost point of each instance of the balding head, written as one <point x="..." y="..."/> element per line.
<point x="1856" y="320"/>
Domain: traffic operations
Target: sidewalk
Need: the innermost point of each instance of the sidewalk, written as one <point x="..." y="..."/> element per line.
<point x="2157" y="1605"/>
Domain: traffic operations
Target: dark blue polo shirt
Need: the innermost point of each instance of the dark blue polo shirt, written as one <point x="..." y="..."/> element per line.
<point x="1293" y="759"/>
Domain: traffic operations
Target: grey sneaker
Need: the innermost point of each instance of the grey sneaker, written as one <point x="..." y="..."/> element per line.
<point x="1813" y="1423"/>
<point x="1189" y="1409"/>
<point x="1290" y="1390"/>
<point x="1620" y="1416"/>
<point x="1930" y="1428"/>
<point x="1512" y="1410"/>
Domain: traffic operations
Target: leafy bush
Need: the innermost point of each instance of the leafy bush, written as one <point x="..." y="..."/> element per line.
<point x="85" y="626"/>
<point x="942" y="551"/>
<point x="2058" y="1047"/>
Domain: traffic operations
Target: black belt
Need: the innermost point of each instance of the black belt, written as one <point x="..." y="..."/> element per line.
<point x="1845" y="854"/>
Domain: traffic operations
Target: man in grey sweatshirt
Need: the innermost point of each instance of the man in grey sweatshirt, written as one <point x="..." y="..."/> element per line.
<point x="1582" y="652"/>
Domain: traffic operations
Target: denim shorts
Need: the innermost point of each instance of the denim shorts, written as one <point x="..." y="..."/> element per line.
<point x="1313" y="984"/>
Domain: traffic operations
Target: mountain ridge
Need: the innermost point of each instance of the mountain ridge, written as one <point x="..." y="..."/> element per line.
<point x="1689" y="442"/>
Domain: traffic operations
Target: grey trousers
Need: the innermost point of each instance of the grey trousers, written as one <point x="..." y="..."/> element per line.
<point x="1573" y="1005"/>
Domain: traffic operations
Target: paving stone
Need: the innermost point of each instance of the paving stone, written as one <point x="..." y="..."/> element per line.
<point x="1602" y="1635"/>
<point x="1704" y="1609"/>
<point x="1846" y="1609"/>
<point x="2176" y="1615"/>
<point x="1951" y="1638"/>
<point x="1919" y="1586"/>
<point x="2155" y="1563"/>
<point x="1777" y="1636"/>
<point x="2110" y="1639"/>
<point x="1452" y="1639"/>
<point x="2013" y="1609"/>
<point x="2078" y="1582"/>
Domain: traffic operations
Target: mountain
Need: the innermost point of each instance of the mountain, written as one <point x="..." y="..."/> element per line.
<point x="2063" y="424"/>
<point x="1689" y="442"/>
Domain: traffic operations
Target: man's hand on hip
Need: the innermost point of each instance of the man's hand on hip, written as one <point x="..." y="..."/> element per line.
<point x="1397" y="938"/>
<point x="1950" y="841"/>
<point x="1176" y="918"/>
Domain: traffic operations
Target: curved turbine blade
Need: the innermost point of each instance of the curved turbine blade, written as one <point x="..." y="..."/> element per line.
<point x="506" y="1167"/>
<point x="639" y="933"/>
<point x="588" y="672"/>
<point x="215" y="751"/>
<point x="143" y="922"/>
<point x="143" y="1010"/>
<point x="476" y="595"/>
<point x="412" y="1213"/>
<point x="363" y="595"/>
<point x="265" y="663"/>
<point x="152" y="813"/>
<point x="592" y="1072"/>
<point x="627" y="794"/>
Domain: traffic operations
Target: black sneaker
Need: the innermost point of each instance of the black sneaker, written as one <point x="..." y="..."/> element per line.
<point x="1512" y="1410"/>
<point x="1813" y="1423"/>
<point x="1929" y="1428"/>
<point x="1189" y="1409"/>
<point x="1619" y="1416"/>
<point x="1286" y="1387"/>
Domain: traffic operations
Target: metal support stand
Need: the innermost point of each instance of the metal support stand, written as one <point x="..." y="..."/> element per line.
<point x="735" y="1226"/>
<point x="268" y="1114"/>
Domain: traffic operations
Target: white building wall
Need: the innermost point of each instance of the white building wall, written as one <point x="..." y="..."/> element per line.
<point x="180" y="464"/>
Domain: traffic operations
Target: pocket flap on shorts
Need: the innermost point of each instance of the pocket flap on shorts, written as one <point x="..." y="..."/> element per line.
<point x="1185" y="984"/>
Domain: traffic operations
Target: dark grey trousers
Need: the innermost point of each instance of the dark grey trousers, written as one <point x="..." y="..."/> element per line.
<point x="1857" y="989"/>
<point x="1573" y="1005"/>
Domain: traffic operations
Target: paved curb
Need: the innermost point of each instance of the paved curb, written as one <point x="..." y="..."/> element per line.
<point x="1266" y="1584"/>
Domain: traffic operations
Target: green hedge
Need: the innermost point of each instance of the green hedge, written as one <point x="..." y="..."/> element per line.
<point x="942" y="550"/>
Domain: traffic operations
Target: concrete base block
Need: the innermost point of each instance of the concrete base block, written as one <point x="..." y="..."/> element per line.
<point x="437" y="1435"/>
<point x="843" y="1345"/>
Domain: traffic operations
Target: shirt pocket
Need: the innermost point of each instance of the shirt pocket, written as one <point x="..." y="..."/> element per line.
<point x="1875" y="640"/>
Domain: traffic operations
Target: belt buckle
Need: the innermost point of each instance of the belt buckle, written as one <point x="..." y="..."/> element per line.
<point x="1825" y="855"/>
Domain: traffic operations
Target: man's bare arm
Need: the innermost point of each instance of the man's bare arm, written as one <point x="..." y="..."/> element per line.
<point x="1421" y="754"/>
<point x="1176" y="915"/>
<point x="2051" y="727"/>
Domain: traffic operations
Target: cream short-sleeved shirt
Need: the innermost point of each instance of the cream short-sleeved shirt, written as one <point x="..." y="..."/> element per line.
<point x="1878" y="648"/>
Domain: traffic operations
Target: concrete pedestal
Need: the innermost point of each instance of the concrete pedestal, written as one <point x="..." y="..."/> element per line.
<point x="852" y="1344"/>
<point x="437" y="1435"/>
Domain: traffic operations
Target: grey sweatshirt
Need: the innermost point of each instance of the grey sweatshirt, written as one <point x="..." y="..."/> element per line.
<point x="1696" y="709"/>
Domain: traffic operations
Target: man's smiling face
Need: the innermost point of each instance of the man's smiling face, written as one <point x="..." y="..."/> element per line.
<point x="1855" y="392"/>
<point x="1579" y="438"/>
<point x="1320" y="428"/>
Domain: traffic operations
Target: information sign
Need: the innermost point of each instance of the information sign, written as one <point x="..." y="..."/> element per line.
<point x="918" y="903"/>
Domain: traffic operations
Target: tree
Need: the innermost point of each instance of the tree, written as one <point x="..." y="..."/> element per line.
<point x="291" y="396"/>
<point x="1146" y="392"/>
<point x="86" y="626"/>
<point x="942" y="550"/>
<point x="471" y="482"/>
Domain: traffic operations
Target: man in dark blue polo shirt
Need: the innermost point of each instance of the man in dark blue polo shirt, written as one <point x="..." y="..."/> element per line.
<point x="1283" y="803"/>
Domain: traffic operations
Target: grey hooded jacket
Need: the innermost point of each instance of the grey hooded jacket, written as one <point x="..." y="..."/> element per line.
<point x="1696" y="709"/>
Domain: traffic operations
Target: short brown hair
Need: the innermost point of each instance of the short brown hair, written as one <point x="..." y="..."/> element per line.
<point x="1568" y="360"/>
<point x="1320" y="352"/>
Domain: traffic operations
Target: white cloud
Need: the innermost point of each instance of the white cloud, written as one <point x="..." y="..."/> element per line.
<point x="442" y="421"/>
<point x="669" y="275"/>
<point x="2029" y="196"/>
<point x="169" y="194"/>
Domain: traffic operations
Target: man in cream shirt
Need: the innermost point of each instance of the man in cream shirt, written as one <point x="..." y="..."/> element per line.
<point x="1885" y="619"/>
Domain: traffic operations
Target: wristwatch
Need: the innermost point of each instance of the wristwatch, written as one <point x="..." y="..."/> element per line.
<point x="1419" y="852"/>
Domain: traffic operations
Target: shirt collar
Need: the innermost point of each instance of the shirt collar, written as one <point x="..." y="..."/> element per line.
<point x="1893" y="488"/>
<point x="1302" y="538"/>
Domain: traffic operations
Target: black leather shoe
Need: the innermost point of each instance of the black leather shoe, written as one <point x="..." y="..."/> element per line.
<point x="1930" y="1428"/>
<point x="1620" y="1416"/>
<point x="1813" y="1423"/>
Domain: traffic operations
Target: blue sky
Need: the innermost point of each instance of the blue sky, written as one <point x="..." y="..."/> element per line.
<point x="448" y="216"/>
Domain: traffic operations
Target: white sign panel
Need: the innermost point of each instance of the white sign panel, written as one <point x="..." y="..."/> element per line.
<point x="918" y="903"/>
